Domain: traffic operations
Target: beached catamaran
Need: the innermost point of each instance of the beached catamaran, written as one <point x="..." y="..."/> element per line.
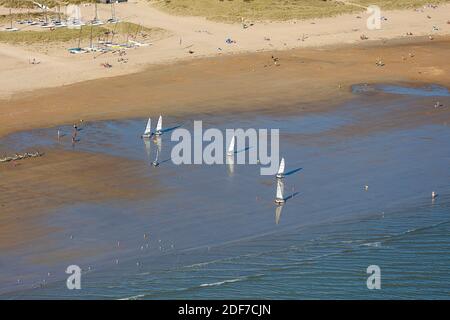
<point x="113" y="18"/>
<point x="279" y="199"/>
<point x="96" y="21"/>
<point x="280" y="174"/>
<point x="158" y="130"/>
<point x="11" y="28"/>
<point x="231" y="146"/>
<point x="148" y="129"/>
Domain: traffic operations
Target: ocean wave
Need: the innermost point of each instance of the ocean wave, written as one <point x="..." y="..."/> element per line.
<point x="416" y="230"/>
<point x="219" y="283"/>
<point x="136" y="297"/>
<point x="191" y="288"/>
<point x="375" y="244"/>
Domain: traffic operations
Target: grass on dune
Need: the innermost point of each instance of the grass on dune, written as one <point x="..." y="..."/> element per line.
<point x="48" y="3"/>
<point x="48" y="36"/>
<point x="234" y="10"/>
<point x="66" y="35"/>
<point x="6" y="18"/>
<point x="26" y="3"/>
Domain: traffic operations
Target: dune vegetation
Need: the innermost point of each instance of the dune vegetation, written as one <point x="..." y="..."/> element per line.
<point x="47" y="3"/>
<point x="234" y="10"/>
<point x="121" y="31"/>
<point x="21" y="11"/>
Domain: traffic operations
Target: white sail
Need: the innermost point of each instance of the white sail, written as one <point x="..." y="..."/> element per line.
<point x="159" y="124"/>
<point x="148" y="129"/>
<point x="231" y="146"/>
<point x="281" y="168"/>
<point x="280" y="190"/>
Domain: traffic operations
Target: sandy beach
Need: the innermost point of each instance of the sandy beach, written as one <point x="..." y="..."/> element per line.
<point x="71" y="181"/>
<point x="307" y="75"/>
<point x="65" y="88"/>
<point x="274" y="70"/>
<point x="213" y="230"/>
<point x="203" y="38"/>
<point x="307" y="81"/>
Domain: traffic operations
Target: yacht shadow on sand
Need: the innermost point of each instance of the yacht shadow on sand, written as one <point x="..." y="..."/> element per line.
<point x="293" y="171"/>
<point x="242" y="150"/>
<point x="164" y="161"/>
<point x="170" y="129"/>
<point x="279" y="207"/>
<point x="291" y="196"/>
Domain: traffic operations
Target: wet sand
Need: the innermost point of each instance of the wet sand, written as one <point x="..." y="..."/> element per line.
<point x="215" y="232"/>
<point x="316" y="78"/>
<point x="45" y="199"/>
<point x="32" y="188"/>
<point x="306" y="81"/>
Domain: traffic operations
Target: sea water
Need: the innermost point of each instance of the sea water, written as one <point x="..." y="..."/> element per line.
<point x="215" y="233"/>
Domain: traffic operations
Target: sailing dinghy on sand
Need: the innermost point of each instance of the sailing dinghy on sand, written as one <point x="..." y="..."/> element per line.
<point x="280" y="174"/>
<point x="148" y="129"/>
<point x="11" y="28"/>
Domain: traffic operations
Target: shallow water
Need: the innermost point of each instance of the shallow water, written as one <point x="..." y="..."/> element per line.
<point x="215" y="232"/>
<point x="427" y="91"/>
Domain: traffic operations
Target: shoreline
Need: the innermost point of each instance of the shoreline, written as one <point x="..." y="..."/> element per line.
<point x="206" y="39"/>
<point x="302" y="79"/>
<point x="99" y="185"/>
<point x="344" y="126"/>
